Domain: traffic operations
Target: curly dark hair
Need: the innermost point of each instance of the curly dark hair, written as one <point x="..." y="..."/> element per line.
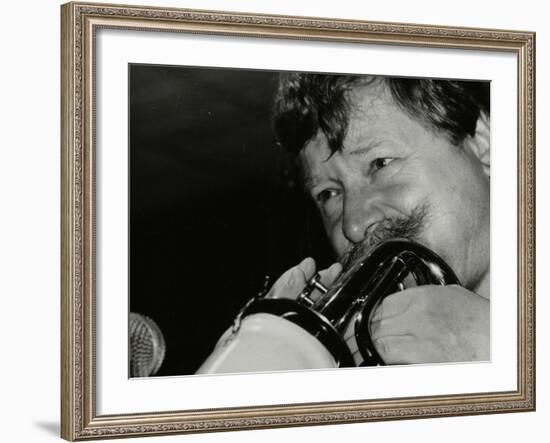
<point x="308" y="103"/>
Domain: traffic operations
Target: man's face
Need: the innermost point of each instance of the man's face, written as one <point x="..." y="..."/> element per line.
<point x="395" y="170"/>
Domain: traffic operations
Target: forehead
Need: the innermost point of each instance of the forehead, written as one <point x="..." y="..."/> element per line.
<point x="373" y="115"/>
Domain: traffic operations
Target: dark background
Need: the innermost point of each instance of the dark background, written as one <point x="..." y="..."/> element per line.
<point x="215" y="204"/>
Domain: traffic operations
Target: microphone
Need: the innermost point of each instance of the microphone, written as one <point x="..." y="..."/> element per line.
<point x="147" y="346"/>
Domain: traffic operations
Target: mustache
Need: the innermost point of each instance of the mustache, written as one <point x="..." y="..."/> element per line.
<point x="408" y="226"/>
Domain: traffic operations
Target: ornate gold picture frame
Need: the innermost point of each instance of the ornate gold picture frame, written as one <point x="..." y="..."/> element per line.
<point x="80" y="419"/>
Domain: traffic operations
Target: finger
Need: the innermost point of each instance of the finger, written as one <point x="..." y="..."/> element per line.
<point x="407" y="349"/>
<point x="294" y="285"/>
<point x="279" y="284"/>
<point x="356" y="354"/>
<point x="396" y="325"/>
<point x="397" y="349"/>
<point x="291" y="283"/>
<point x="395" y="304"/>
<point x="327" y="277"/>
<point x="351" y="342"/>
<point x="330" y="274"/>
<point x="307" y="267"/>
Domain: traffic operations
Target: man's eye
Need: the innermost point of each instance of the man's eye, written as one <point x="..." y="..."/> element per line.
<point x="325" y="195"/>
<point x="380" y="163"/>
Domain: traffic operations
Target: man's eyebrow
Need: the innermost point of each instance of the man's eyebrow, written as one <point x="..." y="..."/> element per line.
<point x="360" y="152"/>
<point x="310" y="182"/>
<point x="365" y="148"/>
<point x="368" y="144"/>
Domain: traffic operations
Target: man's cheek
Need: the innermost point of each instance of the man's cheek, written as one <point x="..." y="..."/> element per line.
<point x="398" y="186"/>
<point x="404" y="198"/>
<point x="337" y="239"/>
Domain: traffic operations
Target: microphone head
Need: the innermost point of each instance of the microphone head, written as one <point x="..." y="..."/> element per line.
<point x="147" y="346"/>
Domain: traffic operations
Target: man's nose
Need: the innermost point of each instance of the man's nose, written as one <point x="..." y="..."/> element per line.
<point x="360" y="212"/>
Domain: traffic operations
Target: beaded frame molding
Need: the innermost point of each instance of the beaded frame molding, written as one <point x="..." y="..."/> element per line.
<point x="80" y="21"/>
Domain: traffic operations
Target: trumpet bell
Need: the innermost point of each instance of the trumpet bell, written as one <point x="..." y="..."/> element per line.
<point x="266" y="342"/>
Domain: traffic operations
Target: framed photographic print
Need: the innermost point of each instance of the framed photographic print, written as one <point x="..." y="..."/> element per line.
<point x="282" y="221"/>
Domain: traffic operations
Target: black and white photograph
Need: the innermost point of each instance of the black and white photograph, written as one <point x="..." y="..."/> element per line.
<point x="273" y="221"/>
<point x="283" y="220"/>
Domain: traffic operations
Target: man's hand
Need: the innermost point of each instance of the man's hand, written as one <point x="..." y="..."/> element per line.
<point x="292" y="282"/>
<point x="425" y="324"/>
<point x="431" y="324"/>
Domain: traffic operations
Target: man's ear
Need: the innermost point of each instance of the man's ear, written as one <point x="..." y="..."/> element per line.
<point x="479" y="144"/>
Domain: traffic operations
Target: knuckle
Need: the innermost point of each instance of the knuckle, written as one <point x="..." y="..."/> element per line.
<point x="381" y="346"/>
<point x="377" y="328"/>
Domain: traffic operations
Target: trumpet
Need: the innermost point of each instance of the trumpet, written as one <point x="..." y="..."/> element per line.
<point x="307" y="333"/>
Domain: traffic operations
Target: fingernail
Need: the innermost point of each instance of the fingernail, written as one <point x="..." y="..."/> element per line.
<point x="308" y="266"/>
